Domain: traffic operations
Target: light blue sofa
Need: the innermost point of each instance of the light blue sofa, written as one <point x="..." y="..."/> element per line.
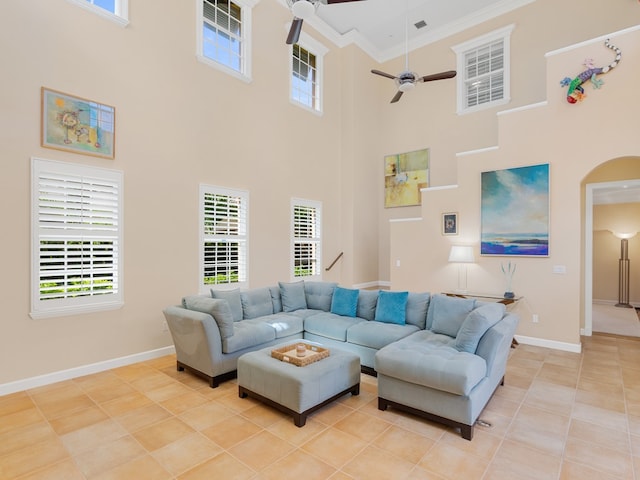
<point x="450" y="351"/>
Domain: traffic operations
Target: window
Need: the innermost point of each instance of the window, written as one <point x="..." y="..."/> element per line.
<point x="224" y="28"/>
<point x="306" y="73"/>
<point x="307" y="238"/>
<point x="77" y="239"/>
<point x="115" y="10"/>
<point x="223" y="237"/>
<point x="483" y="67"/>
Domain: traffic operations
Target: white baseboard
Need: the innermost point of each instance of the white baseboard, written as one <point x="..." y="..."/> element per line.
<point x="49" y="378"/>
<point x="378" y="283"/>
<point x="541" y="342"/>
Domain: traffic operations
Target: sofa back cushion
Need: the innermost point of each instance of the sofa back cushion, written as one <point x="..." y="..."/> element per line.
<point x="218" y="309"/>
<point x="319" y="295"/>
<point x="345" y="302"/>
<point x="367" y="302"/>
<point x="417" y="307"/>
<point x="233" y="297"/>
<point x="478" y="321"/>
<point x="276" y="299"/>
<point x="446" y="314"/>
<point x="256" y="302"/>
<point x="293" y="296"/>
<point x="392" y="307"/>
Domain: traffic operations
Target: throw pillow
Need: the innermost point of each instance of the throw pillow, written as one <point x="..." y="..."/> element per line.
<point x="417" y="307"/>
<point x="293" y="297"/>
<point x="392" y="307"/>
<point x="476" y="324"/>
<point x="448" y="313"/>
<point x="367" y="301"/>
<point x="233" y="297"/>
<point x="345" y="302"/>
<point x="319" y="294"/>
<point x="256" y="302"/>
<point x="218" y="309"/>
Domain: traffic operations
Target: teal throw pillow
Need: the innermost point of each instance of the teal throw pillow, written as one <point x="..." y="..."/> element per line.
<point x="233" y="297"/>
<point x="476" y="324"/>
<point x="293" y="296"/>
<point x="392" y="307"/>
<point x="345" y="302"/>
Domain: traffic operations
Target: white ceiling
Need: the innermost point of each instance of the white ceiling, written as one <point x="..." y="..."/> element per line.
<point x="627" y="193"/>
<point x="378" y="26"/>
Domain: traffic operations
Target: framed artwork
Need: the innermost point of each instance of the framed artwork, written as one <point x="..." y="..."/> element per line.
<point x="515" y="212"/>
<point x="450" y="223"/>
<point x="77" y="125"/>
<point x="404" y="175"/>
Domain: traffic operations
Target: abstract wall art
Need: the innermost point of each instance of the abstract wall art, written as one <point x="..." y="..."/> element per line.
<point x="404" y="175"/>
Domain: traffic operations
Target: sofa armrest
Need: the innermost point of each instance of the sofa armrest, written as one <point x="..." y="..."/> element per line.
<point x="495" y="344"/>
<point x="196" y="337"/>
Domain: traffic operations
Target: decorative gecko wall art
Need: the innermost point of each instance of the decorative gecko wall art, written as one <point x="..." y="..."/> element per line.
<point x="575" y="93"/>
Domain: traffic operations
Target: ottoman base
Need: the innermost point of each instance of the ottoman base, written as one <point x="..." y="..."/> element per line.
<point x="299" y="419"/>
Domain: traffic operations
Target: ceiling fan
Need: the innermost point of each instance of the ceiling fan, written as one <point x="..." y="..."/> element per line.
<point x="304" y="9"/>
<point x="407" y="79"/>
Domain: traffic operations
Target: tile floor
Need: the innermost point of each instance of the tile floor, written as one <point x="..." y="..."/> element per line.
<point x="559" y="416"/>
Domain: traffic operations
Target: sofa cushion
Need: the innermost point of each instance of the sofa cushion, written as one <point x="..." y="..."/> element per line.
<point x="419" y="360"/>
<point x="330" y="325"/>
<point x="478" y="321"/>
<point x="276" y="299"/>
<point x="446" y="314"/>
<point x="367" y="301"/>
<point x="377" y="334"/>
<point x="256" y="302"/>
<point x="248" y="334"/>
<point x="293" y="296"/>
<point x="392" y="307"/>
<point x="319" y="295"/>
<point x="233" y="297"/>
<point x="284" y="324"/>
<point x="417" y="307"/>
<point x="218" y="309"/>
<point x="345" y="302"/>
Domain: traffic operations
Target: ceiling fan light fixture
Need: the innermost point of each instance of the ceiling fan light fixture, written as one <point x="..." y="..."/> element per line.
<point x="303" y="9"/>
<point x="405" y="87"/>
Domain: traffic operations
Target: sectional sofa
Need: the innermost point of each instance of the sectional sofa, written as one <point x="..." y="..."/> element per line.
<point x="452" y="351"/>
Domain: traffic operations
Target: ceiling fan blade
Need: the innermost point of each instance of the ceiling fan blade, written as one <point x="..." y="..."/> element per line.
<point x="388" y="75"/>
<point x="294" y="31"/>
<point x="396" y="97"/>
<point x="438" y="76"/>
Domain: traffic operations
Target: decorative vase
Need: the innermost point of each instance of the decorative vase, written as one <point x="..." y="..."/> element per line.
<point x="509" y="295"/>
<point x="508" y="272"/>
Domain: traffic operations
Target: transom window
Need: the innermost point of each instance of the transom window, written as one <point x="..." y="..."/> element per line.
<point x="483" y="67"/>
<point x="77" y="239"/>
<point x="115" y="10"/>
<point x="306" y="73"/>
<point x="223" y="237"/>
<point x="224" y="28"/>
<point x="306" y="238"/>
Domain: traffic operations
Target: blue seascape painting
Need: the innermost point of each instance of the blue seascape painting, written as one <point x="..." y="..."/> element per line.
<point x="515" y="212"/>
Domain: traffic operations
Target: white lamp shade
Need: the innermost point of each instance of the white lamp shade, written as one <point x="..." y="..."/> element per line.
<point x="624" y="235"/>
<point x="461" y="254"/>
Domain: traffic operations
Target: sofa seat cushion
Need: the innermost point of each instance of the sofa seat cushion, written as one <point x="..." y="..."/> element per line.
<point x="247" y="334"/>
<point x="377" y="335"/>
<point x="284" y="324"/>
<point x="426" y="360"/>
<point x="330" y="325"/>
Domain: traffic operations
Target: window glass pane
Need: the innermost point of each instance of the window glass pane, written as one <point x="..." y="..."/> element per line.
<point x="109" y="5"/>
<point x="222" y="33"/>
<point x="304" y="87"/>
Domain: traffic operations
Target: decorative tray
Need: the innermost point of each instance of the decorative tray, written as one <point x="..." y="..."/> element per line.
<point x="313" y="353"/>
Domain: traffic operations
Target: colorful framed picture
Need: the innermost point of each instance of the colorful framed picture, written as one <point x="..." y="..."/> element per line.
<point x="450" y="223"/>
<point x="514" y="212"/>
<point x="404" y="175"/>
<point x="77" y="125"/>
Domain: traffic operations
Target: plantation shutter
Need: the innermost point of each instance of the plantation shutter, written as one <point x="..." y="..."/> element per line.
<point x="484" y="74"/>
<point x="306" y="240"/>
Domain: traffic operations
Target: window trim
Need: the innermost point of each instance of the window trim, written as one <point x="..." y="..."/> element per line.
<point x="86" y="304"/>
<point x="318" y="206"/>
<point x="244" y="74"/>
<point x="317" y="49"/>
<point x="121" y="17"/>
<point x="216" y="190"/>
<point x="461" y="49"/>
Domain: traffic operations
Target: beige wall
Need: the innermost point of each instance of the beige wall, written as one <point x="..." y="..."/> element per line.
<point x="622" y="218"/>
<point x="180" y="123"/>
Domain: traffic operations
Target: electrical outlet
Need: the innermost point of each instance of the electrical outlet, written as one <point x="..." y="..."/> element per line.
<point x="534" y="318"/>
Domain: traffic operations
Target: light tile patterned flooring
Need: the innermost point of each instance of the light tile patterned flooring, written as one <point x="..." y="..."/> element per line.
<point x="559" y="416"/>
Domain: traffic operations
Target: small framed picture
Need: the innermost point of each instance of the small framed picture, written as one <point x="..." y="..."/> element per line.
<point x="450" y="223"/>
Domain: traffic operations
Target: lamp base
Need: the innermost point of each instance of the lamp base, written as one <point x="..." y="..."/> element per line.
<point x="624" y="305"/>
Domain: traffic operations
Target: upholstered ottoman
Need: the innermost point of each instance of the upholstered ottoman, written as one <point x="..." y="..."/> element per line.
<point x="298" y="391"/>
